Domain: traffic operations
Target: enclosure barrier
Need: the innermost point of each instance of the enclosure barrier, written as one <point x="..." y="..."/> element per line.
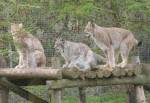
<point x="57" y="79"/>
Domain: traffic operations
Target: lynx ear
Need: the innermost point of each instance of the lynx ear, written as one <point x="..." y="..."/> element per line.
<point x="89" y="22"/>
<point x="92" y="24"/>
<point x="20" y="25"/>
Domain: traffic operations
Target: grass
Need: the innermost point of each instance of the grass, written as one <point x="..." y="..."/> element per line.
<point x="108" y="98"/>
<point x="72" y="97"/>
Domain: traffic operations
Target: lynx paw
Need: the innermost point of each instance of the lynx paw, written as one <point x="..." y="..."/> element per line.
<point x="21" y="67"/>
<point x="122" y="65"/>
<point x="65" y="66"/>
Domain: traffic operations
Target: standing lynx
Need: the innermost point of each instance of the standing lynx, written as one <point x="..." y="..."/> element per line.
<point x="110" y="40"/>
<point x="29" y="48"/>
<point x="77" y="55"/>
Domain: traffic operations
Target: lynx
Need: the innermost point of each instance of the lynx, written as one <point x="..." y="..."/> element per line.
<point x="111" y="40"/>
<point x="77" y="55"/>
<point x="29" y="48"/>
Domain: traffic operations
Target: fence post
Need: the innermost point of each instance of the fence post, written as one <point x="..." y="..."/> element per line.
<point x="82" y="94"/>
<point x="3" y="94"/>
<point x="56" y="94"/>
<point x="136" y="92"/>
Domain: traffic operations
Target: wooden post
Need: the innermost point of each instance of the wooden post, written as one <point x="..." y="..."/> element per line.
<point x="3" y="94"/>
<point x="56" y="96"/>
<point x="140" y="96"/>
<point x="136" y="92"/>
<point x="82" y="94"/>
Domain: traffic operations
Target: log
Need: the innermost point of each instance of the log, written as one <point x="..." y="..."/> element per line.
<point x="73" y="73"/>
<point x="103" y="71"/>
<point x="31" y="73"/>
<point x="99" y="73"/>
<point x="141" y="79"/>
<point x="107" y="72"/>
<point x="116" y="72"/>
<point x="90" y="74"/>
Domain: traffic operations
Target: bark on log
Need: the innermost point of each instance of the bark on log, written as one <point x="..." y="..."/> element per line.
<point x="99" y="73"/>
<point x="71" y="73"/>
<point x="141" y="79"/>
<point x="90" y="74"/>
<point x="31" y="73"/>
<point x="107" y="72"/>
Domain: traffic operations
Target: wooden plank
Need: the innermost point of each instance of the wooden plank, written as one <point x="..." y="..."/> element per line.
<point x="23" y="93"/>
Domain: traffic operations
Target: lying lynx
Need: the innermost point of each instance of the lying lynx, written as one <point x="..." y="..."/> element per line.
<point x="111" y="40"/>
<point x="31" y="52"/>
<point x="77" y="55"/>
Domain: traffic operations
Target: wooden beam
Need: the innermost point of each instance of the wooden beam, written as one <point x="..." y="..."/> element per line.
<point x="23" y="93"/>
<point x="51" y="74"/>
<point x="140" y="79"/>
<point x="66" y="83"/>
<point x="31" y="73"/>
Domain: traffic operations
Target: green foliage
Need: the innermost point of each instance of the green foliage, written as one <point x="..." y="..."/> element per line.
<point x="44" y="14"/>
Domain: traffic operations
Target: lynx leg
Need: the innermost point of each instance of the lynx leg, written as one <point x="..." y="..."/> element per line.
<point x="25" y="60"/>
<point x="111" y="57"/>
<point x="124" y="51"/>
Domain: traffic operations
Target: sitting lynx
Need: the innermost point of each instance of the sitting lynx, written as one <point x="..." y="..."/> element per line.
<point x="77" y="55"/>
<point x="112" y="39"/>
<point x="29" y="48"/>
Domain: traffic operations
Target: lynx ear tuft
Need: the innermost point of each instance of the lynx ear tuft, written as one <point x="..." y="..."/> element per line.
<point x="20" y="25"/>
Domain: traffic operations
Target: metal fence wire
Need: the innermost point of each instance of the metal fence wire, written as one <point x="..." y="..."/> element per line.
<point x="42" y="24"/>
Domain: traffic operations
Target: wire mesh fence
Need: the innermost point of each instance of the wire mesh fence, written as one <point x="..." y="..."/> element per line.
<point x="40" y="21"/>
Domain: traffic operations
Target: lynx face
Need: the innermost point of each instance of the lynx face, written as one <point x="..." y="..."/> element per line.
<point x="59" y="45"/>
<point x="89" y="29"/>
<point x="16" y="28"/>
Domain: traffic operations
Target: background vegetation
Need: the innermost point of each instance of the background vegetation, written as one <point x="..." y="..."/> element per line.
<point x="48" y="19"/>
